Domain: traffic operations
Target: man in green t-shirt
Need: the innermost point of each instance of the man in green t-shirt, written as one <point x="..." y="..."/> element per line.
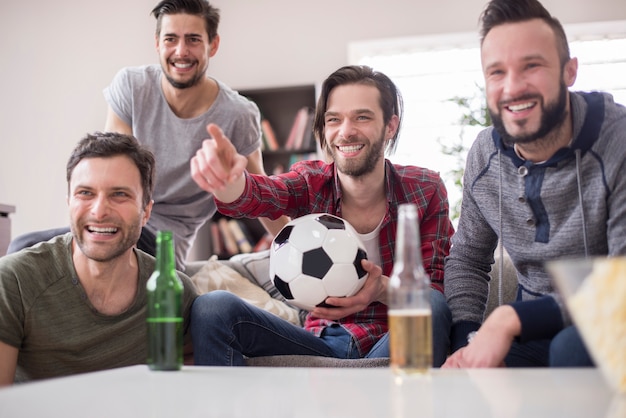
<point x="77" y="303"/>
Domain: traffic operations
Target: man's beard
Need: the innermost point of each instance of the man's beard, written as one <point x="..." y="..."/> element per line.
<point x="130" y="239"/>
<point x="361" y="167"/>
<point x="552" y="118"/>
<point x="181" y="85"/>
<point x="186" y="84"/>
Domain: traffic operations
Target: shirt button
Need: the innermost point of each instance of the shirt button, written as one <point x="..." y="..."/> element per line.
<point x="530" y="222"/>
<point x="521" y="199"/>
<point x="522" y="170"/>
<point x="74" y="282"/>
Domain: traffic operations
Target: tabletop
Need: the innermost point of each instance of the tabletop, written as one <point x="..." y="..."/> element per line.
<point x="197" y="391"/>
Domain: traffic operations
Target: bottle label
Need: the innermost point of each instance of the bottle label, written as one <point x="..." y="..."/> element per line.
<point x="174" y="319"/>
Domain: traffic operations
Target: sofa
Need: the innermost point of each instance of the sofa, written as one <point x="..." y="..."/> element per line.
<point x="247" y="275"/>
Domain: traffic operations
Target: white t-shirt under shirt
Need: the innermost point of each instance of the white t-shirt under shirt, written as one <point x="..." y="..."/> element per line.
<point x="372" y="246"/>
<point x="135" y="95"/>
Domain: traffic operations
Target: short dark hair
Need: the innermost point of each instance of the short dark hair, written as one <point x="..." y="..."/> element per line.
<point x="111" y="144"/>
<point x="499" y="12"/>
<point x="390" y="97"/>
<point x="201" y="8"/>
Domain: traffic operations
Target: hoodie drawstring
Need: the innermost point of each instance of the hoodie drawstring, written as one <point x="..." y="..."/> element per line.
<point x="501" y="244"/>
<point x="580" y="201"/>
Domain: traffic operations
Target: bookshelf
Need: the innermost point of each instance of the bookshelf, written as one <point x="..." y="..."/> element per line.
<point x="280" y="107"/>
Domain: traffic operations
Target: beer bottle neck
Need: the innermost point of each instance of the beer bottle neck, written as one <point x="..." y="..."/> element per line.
<point x="408" y="257"/>
<point x="165" y="260"/>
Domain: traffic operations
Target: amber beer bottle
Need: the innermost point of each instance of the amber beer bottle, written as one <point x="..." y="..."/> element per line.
<point x="164" y="312"/>
<point x="410" y="313"/>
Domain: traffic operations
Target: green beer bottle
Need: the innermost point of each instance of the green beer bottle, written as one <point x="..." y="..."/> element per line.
<point x="165" y="309"/>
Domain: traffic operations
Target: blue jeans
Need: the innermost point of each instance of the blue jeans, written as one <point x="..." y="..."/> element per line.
<point x="566" y="349"/>
<point x="224" y="329"/>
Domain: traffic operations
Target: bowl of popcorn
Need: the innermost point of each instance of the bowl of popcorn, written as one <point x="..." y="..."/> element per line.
<point x="594" y="292"/>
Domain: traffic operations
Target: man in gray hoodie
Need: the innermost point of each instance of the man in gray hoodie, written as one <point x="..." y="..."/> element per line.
<point x="546" y="181"/>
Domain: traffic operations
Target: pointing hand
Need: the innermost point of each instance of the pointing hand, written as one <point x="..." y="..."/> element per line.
<point x="217" y="164"/>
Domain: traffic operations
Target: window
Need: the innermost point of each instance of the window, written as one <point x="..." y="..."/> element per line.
<point x="432" y="71"/>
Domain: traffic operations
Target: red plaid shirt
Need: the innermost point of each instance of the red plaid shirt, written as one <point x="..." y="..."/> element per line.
<point x="313" y="187"/>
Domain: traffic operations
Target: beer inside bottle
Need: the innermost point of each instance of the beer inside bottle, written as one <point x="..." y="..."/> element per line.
<point x="164" y="311"/>
<point x="410" y="340"/>
<point x="409" y="311"/>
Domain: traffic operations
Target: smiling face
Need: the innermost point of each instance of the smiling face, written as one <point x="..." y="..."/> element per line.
<point x="184" y="49"/>
<point x="105" y="202"/>
<point x="526" y="83"/>
<point x="354" y="128"/>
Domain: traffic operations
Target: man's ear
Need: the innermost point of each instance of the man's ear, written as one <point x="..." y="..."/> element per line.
<point x="392" y="126"/>
<point x="570" y="71"/>
<point x="146" y="213"/>
<point x="214" y="46"/>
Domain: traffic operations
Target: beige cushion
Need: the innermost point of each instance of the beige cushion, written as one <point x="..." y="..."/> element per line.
<point x="216" y="275"/>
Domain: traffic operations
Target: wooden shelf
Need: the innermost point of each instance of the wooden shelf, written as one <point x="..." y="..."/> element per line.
<point x="279" y="106"/>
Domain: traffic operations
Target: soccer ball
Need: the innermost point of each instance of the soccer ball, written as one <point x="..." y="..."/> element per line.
<point x="317" y="256"/>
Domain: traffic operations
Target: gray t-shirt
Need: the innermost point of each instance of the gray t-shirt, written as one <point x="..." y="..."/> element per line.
<point x="45" y="313"/>
<point x="180" y="206"/>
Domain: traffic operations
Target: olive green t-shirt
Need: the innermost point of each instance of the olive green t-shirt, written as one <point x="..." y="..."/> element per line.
<point x="45" y="313"/>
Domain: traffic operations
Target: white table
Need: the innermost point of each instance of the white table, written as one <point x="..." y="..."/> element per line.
<point x="316" y="392"/>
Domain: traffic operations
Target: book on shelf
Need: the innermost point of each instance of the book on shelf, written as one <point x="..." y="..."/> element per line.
<point x="264" y="243"/>
<point x="230" y="243"/>
<point x="268" y="135"/>
<point x="217" y="244"/>
<point x="308" y="141"/>
<point x="298" y="129"/>
<point x="241" y="238"/>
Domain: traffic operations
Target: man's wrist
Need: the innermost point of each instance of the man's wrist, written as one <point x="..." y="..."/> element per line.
<point x="504" y="318"/>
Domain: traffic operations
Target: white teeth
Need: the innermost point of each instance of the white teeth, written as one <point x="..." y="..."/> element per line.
<point x="350" y="148"/>
<point x="182" y="65"/>
<point x="520" y="107"/>
<point x="102" y="230"/>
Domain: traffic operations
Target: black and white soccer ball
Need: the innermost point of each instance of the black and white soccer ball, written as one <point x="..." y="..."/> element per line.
<point x="317" y="256"/>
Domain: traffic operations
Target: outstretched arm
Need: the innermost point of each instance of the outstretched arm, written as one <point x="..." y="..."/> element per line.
<point x="255" y="166"/>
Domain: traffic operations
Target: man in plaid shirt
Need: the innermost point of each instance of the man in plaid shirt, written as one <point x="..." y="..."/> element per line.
<point x="357" y="118"/>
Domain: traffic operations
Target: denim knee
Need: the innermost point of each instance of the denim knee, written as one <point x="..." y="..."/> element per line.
<point x="567" y="349"/>
<point x="441" y="311"/>
<point x="214" y="304"/>
<point x="442" y="323"/>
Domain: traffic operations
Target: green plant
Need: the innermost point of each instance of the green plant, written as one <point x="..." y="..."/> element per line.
<point x="474" y="113"/>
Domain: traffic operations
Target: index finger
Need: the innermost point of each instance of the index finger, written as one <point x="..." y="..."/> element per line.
<point x="217" y="134"/>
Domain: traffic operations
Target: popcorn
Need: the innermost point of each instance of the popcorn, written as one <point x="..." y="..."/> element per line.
<point x="598" y="308"/>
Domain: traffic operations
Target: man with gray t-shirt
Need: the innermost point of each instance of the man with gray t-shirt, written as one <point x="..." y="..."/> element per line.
<point x="168" y="107"/>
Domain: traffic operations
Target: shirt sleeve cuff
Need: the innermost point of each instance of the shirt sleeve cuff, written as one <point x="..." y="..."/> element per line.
<point x="458" y="336"/>
<point x="540" y="318"/>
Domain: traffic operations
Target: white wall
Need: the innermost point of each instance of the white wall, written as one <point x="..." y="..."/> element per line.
<point x="58" y="56"/>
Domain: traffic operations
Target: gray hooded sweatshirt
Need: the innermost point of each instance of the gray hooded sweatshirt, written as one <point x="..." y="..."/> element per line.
<point x="573" y="205"/>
